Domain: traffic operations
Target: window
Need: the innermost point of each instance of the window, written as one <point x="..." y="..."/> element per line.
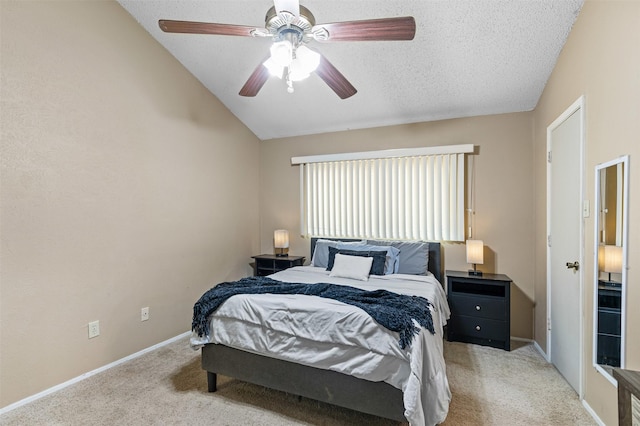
<point x="409" y="194"/>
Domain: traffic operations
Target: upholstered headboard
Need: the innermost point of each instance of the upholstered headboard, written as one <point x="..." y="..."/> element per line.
<point x="435" y="257"/>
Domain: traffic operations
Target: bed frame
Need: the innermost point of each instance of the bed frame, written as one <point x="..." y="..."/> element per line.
<point x="377" y="398"/>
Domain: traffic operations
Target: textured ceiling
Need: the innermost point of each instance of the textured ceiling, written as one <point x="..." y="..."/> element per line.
<point x="468" y="58"/>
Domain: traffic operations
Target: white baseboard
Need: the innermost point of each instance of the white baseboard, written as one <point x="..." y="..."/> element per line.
<point x="539" y="349"/>
<point x="584" y="402"/>
<point x="521" y="339"/>
<point x="89" y="374"/>
<point x="592" y="413"/>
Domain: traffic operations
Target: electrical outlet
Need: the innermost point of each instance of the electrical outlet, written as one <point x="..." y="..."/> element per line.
<point x="144" y="314"/>
<point x="94" y="329"/>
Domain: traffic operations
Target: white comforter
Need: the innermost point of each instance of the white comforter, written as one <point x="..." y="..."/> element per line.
<point x="328" y="334"/>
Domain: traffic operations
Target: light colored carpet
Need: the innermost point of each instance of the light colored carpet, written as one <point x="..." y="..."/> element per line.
<point x="168" y="387"/>
<point x="494" y="387"/>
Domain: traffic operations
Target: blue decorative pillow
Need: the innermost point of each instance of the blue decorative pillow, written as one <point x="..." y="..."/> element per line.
<point x="391" y="263"/>
<point x="414" y="255"/>
<point x="379" y="258"/>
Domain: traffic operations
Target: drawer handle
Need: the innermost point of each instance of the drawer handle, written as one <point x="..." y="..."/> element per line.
<point x="477" y="327"/>
<point x="478" y="307"/>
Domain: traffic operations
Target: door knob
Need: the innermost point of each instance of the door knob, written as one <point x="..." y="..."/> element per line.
<point x="573" y="265"/>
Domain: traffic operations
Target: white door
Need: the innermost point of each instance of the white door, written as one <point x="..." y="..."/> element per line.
<point x="564" y="258"/>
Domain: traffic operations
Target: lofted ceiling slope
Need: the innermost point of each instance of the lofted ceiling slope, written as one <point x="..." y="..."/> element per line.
<point x="468" y="58"/>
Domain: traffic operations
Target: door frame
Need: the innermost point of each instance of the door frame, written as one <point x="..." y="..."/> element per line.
<point x="577" y="106"/>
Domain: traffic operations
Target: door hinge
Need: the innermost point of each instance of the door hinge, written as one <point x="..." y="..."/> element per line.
<point x="548" y="240"/>
<point x="549" y="157"/>
<point x="548" y="323"/>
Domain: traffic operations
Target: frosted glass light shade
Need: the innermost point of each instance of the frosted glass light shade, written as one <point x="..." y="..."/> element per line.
<point x="301" y="62"/>
<point x="274" y="69"/>
<point x="282" y="53"/>
<point x="475" y="252"/>
<point x="305" y="62"/>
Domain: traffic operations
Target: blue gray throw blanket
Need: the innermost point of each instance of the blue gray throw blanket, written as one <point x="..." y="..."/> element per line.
<point x="393" y="311"/>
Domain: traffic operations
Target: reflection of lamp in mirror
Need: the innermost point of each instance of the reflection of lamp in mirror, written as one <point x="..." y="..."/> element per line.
<point x="475" y="255"/>
<point x="611" y="259"/>
<point x="281" y="242"/>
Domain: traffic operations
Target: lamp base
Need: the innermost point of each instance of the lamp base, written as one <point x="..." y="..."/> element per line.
<point x="281" y="252"/>
<point x="475" y="273"/>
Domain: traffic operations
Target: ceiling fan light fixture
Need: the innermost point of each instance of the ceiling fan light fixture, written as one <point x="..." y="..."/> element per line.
<point x="297" y="74"/>
<point x="290" y="26"/>
<point x="305" y="62"/>
<point x="282" y="53"/>
<point x="274" y="69"/>
<point x="308" y="58"/>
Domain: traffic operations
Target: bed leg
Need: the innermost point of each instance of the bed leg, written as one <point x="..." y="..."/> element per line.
<point x="211" y="381"/>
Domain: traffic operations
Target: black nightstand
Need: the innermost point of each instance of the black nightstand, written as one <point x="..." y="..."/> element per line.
<point x="267" y="264"/>
<point x="609" y="323"/>
<point x="480" y="309"/>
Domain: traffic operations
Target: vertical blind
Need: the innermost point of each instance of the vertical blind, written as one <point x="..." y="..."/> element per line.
<point x="408" y="198"/>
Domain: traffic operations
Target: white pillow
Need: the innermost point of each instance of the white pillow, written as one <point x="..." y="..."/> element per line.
<point x="391" y="262"/>
<point x="355" y="267"/>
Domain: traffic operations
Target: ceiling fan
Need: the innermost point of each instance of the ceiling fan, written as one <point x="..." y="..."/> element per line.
<point x="292" y="26"/>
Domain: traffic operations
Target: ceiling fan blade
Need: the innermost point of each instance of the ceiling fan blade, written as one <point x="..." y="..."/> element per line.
<point x="334" y="79"/>
<point x="291" y="6"/>
<point x="256" y="80"/>
<point x="402" y="28"/>
<point x="188" y="27"/>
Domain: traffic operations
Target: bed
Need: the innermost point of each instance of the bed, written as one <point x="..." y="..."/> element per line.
<point x="365" y="369"/>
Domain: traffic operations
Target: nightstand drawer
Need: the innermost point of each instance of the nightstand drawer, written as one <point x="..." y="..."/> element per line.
<point x="609" y="321"/>
<point x="479" y="328"/>
<point x="475" y="306"/>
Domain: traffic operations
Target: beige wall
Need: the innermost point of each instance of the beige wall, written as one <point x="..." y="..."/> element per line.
<point x="601" y="60"/>
<point x="503" y="182"/>
<point x="120" y="189"/>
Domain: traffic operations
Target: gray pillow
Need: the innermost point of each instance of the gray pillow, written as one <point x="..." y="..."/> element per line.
<point x="413" y="257"/>
<point x="320" y="255"/>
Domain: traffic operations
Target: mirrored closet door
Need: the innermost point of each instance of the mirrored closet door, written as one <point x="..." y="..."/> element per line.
<point x="610" y="264"/>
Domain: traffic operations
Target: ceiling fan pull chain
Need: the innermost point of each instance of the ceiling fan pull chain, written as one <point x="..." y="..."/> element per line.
<point x="289" y="82"/>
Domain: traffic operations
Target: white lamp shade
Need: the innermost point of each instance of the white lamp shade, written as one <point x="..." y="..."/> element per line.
<point x="281" y="238"/>
<point x="475" y="252"/>
<point x="612" y="259"/>
<point x="601" y="258"/>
